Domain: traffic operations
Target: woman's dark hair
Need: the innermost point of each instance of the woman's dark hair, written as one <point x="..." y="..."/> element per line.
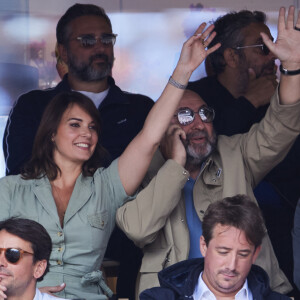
<point x="34" y="233"/>
<point x="42" y="162"/>
<point x="239" y="212"/>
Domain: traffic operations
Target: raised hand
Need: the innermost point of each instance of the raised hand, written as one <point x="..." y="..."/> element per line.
<point x="194" y="52"/>
<point x="286" y="48"/>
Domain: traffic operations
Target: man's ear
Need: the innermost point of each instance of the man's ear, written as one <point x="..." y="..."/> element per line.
<point x="231" y="58"/>
<point x="39" y="268"/>
<point x="62" y="53"/>
<point x="203" y="246"/>
<point x="256" y="252"/>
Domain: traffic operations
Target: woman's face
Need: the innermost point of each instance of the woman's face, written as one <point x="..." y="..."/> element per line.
<point x="76" y="136"/>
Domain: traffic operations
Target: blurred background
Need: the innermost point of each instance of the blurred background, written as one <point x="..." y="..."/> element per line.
<point x="150" y="36"/>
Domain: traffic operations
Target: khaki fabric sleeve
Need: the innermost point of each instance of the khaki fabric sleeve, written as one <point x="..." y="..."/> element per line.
<point x="142" y="218"/>
<point x="268" y="142"/>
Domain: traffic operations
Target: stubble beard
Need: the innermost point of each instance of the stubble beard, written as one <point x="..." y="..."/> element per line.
<point x="88" y="72"/>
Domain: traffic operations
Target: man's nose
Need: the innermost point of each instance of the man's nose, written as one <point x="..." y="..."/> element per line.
<point x="231" y="262"/>
<point x="198" y="123"/>
<point x="3" y="261"/>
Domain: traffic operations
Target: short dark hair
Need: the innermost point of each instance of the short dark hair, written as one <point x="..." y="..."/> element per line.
<point x="76" y="11"/>
<point x="229" y="33"/>
<point x="42" y="161"/>
<point x="35" y="234"/>
<point x="238" y="211"/>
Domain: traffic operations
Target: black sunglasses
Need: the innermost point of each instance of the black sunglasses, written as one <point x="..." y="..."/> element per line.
<point x="90" y="40"/>
<point x="13" y="255"/>
<point x="186" y="115"/>
<point x="265" y="50"/>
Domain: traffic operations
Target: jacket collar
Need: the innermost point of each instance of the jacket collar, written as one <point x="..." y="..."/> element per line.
<point x="80" y="195"/>
<point x="182" y="278"/>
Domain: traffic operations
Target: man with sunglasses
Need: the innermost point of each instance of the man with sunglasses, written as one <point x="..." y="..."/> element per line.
<point x="194" y="167"/>
<point x="239" y="90"/>
<point x="86" y="44"/>
<point x="25" y="248"/>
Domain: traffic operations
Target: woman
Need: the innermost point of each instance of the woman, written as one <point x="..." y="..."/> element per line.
<point x="64" y="188"/>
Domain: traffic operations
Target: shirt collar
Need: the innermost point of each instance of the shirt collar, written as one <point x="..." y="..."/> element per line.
<point x="202" y="292"/>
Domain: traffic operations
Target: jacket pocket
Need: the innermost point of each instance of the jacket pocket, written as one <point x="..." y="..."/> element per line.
<point x="99" y="230"/>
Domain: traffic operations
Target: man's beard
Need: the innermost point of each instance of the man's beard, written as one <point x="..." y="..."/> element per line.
<point x="243" y="79"/>
<point x="197" y="153"/>
<point x="88" y="72"/>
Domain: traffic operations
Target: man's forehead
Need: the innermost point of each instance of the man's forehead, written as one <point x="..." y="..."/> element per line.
<point x="9" y="240"/>
<point x="191" y="99"/>
<point x="231" y="237"/>
<point x="252" y="33"/>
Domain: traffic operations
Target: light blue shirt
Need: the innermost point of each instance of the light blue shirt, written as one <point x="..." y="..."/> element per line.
<point x="193" y="221"/>
<point x="202" y="292"/>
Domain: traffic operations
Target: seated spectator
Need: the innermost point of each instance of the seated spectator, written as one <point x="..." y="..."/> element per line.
<point x="195" y="167"/>
<point x="232" y="233"/>
<point x="296" y="246"/>
<point x="65" y="188"/>
<point x="25" y="248"/>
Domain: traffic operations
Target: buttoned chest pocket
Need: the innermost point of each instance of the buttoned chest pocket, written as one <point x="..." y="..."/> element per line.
<point x="100" y="231"/>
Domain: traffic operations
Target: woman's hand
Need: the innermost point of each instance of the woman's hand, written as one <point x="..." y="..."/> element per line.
<point x="52" y="289"/>
<point x="194" y="52"/>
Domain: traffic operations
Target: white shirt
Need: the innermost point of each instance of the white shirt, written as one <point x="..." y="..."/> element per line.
<point x="97" y="98"/>
<point x="202" y="292"/>
<point x="44" y="296"/>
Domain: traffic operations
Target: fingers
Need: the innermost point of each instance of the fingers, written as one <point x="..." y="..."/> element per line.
<point x="268" y="42"/>
<point x="281" y="20"/>
<point x="2" y="290"/>
<point x="251" y="74"/>
<point x="290" y="18"/>
<point x="52" y="289"/>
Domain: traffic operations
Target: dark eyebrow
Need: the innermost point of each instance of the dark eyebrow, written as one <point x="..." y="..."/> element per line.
<point x="223" y="248"/>
<point x="75" y="119"/>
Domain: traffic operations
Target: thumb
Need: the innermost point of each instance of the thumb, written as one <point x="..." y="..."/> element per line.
<point x="251" y="74"/>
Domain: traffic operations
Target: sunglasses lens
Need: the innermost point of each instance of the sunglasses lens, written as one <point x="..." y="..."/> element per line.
<point x="207" y="114"/>
<point x="108" y="38"/>
<point x="12" y="255"/>
<point x="265" y="49"/>
<point x="185" y="116"/>
<point x="88" y="41"/>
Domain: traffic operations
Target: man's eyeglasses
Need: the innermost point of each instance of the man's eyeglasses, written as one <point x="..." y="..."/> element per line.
<point x="265" y="50"/>
<point x="186" y="116"/>
<point x="13" y="255"/>
<point x="90" y="40"/>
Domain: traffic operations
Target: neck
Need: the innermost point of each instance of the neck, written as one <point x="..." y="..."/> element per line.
<point x="27" y="294"/>
<point x="194" y="170"/>
<point x="234" y="83"/>
<point x="91" y="86"/>
<point x="219" y="295"/>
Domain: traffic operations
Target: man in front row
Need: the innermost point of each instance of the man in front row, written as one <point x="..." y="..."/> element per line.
<point x="25" y="248"/>
<point x="195" y="168"/>
<point x="232" y="233"/>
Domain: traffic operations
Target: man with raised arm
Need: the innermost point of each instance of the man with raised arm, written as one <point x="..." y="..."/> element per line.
<point x="166" y="217"/>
